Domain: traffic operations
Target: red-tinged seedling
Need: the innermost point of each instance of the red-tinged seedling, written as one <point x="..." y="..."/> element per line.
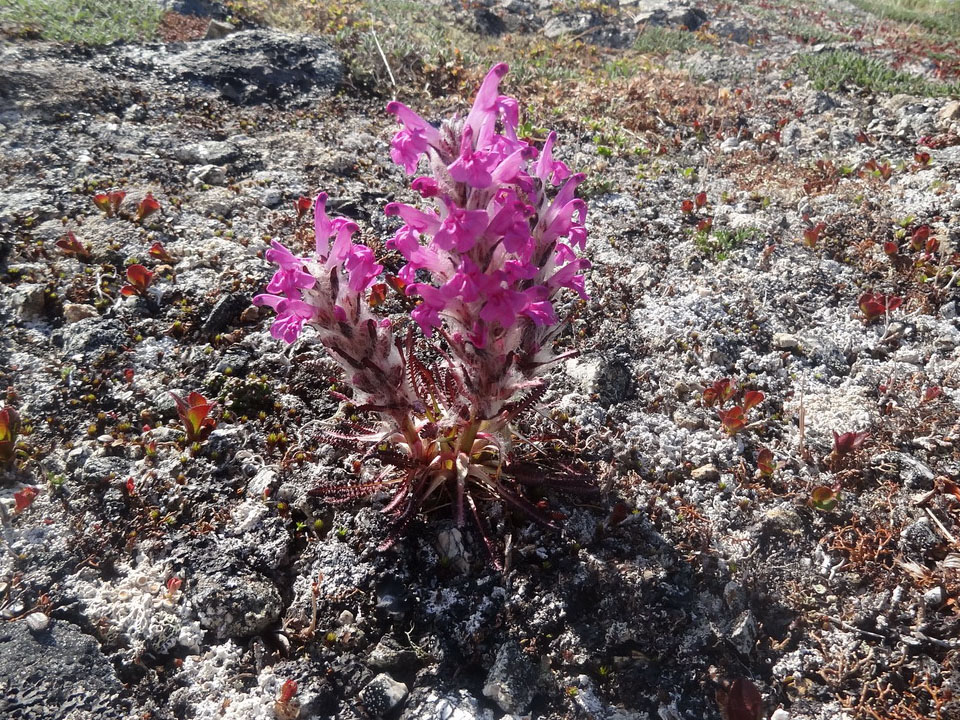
<point x="733" y="420"/>
<point x="109" y="202"/>
<point x="23" y="499"/>
<point x="147" y="207"/>
<point x="752" y="398"/>
<point x="931" y="394"/>
<point x="848" y="442"/>
<point x="687" y="207"/>
<point x="194" y="413"/>
<point x="9" y="430"/>
<point x="812" y="234"/>
<point x="877" y="305"/>
<point x="700" y="200"/>
<point x="766" y="463"/>
<point x="72" y="247"/>
<point x="824" y="498"/>
<point x="720" y="392"/>
<point x="891" y="248"/>
<point x="138" y="279"/>
<point x="922" y="158"/>
<point x="378" y="294"/>
<point x="286" y="708"/>
<point x="158" y="251"/>
<point x="919" y="237"/>
<point x="302" y="206"/>
<point x="705" y="225"/>
<point x="173" y="585"/>
<point x="130" y="487"/>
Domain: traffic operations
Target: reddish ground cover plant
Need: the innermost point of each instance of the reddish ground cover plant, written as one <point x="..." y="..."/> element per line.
<point x="138" y="280"/>
<point x="877" y="305"/>
<point x="499" y="239"/>
<point x="733" y="419"/>
<point x="147" y="207"/>
<point x="22" y="499"/>
<point x="9" y="430"/>
<point x="109" y="202"/>
<point x="71" y="247"/>
<point x="194" y="413"/>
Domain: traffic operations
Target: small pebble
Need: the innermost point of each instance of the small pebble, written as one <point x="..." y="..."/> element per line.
<point x="37" y="621"/>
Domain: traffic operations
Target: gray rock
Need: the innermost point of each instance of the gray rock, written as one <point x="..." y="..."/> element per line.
<point x="819" y="102"/>
<point x="272" y="197"/>
<point x="91" y="339"/>
<point x="75" y="312"/>
<point x="513" y="680"/>
<point x="705" y="473"/>
<point x="57" y="673"/>
<point x="261" y="66"/>
<point x="389" y="654"/>
<point x="428" y="704"/>
<point x="208" y="152"/>
<point x="27" y="302"/>
<point x="935" y="596"/>
<point x="207" y="175"/>
<point x="236" y="605"/>
<point x="743" y="634"/>
<point x="918" y="538"/>
<point x="103" y="469"/>
<point x="665" y="12"/>
<point x="227" y="309"/>
<point x="218" y="29"/>
<point x="785" y="341"/>
<point x="737" y="32"/>
<point x="383" y="694"/>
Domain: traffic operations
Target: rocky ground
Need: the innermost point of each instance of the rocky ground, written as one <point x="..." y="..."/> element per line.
<point x="742" y="201"/>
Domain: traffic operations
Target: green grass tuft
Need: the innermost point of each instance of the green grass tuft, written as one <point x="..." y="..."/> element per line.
<point x="939" y="15"/>
<point x="92" y="22"/>
<point x="842" y="69"/>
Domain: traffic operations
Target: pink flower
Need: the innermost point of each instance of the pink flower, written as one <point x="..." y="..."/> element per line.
<point x="473" y="167"/>
<point x="362" y="267"/>
<point x="548" y="169"/>
<point x="411" y="142"/>
<point x="290" y="278"/>
<point x="291" y="314"/>
<point x="460" y="229"/>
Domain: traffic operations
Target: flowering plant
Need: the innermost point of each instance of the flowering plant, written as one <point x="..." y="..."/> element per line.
<point x="486" y="262"/>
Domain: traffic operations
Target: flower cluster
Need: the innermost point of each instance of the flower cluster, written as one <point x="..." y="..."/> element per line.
<point x="487" y="256"/>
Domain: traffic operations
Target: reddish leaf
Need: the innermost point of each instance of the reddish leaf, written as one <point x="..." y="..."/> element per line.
<point x="73" y="247"/>
<point x="139" y="279"/>
<point x="845" y="443"/>
<point x="718" y="393"/>
<point x="287" y="691"/>
<point x="129" y="486"/>
<point x="396" y="283"/>
<point x="919" y="238"/>
<point x="158" y="251"/>
<point x="931" y="393"/>
<point x="752" y="398"/>
<point x="766" y="463"/>
<point x="302" y="206"/>
<point x="824" y="498"/>
<point x="378" y="293"/>
<point x="173" y="584"/>
<point x="875" y="305"/>
<point x="9" y="430"/>
<point x="24" y="498"/>
<point x="890" y="248"/>
<point x="705" y="225"/>
<point x="194" y="412"/>
<point x="102" y="201"/>
<point x="686" y="206"/>
<point x="733" y="420"/>
<point x="812" y="234"/>
<point x="700" y="200"/>
<point x="922" y="158"/>
<point x="147" y="207"/>
<point x="744" y="701"/>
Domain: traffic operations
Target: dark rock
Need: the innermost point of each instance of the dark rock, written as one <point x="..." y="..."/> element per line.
<point x="227" y="309"/>
<point x="513" y="680"/>
<point x="383" y="694"/>
<point x="393" y="599"/>
<point x="389" y="654"/>
<point x="261" y="66"/>
<point x="918" y="538"/>
<point x="101" y="470"/>
<point x="54" y="674"/>
<point x="664" y="12"/>
<point x="92" y="339"/>
<point x="486" y="23"/>
<point x="236" y="605"/>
